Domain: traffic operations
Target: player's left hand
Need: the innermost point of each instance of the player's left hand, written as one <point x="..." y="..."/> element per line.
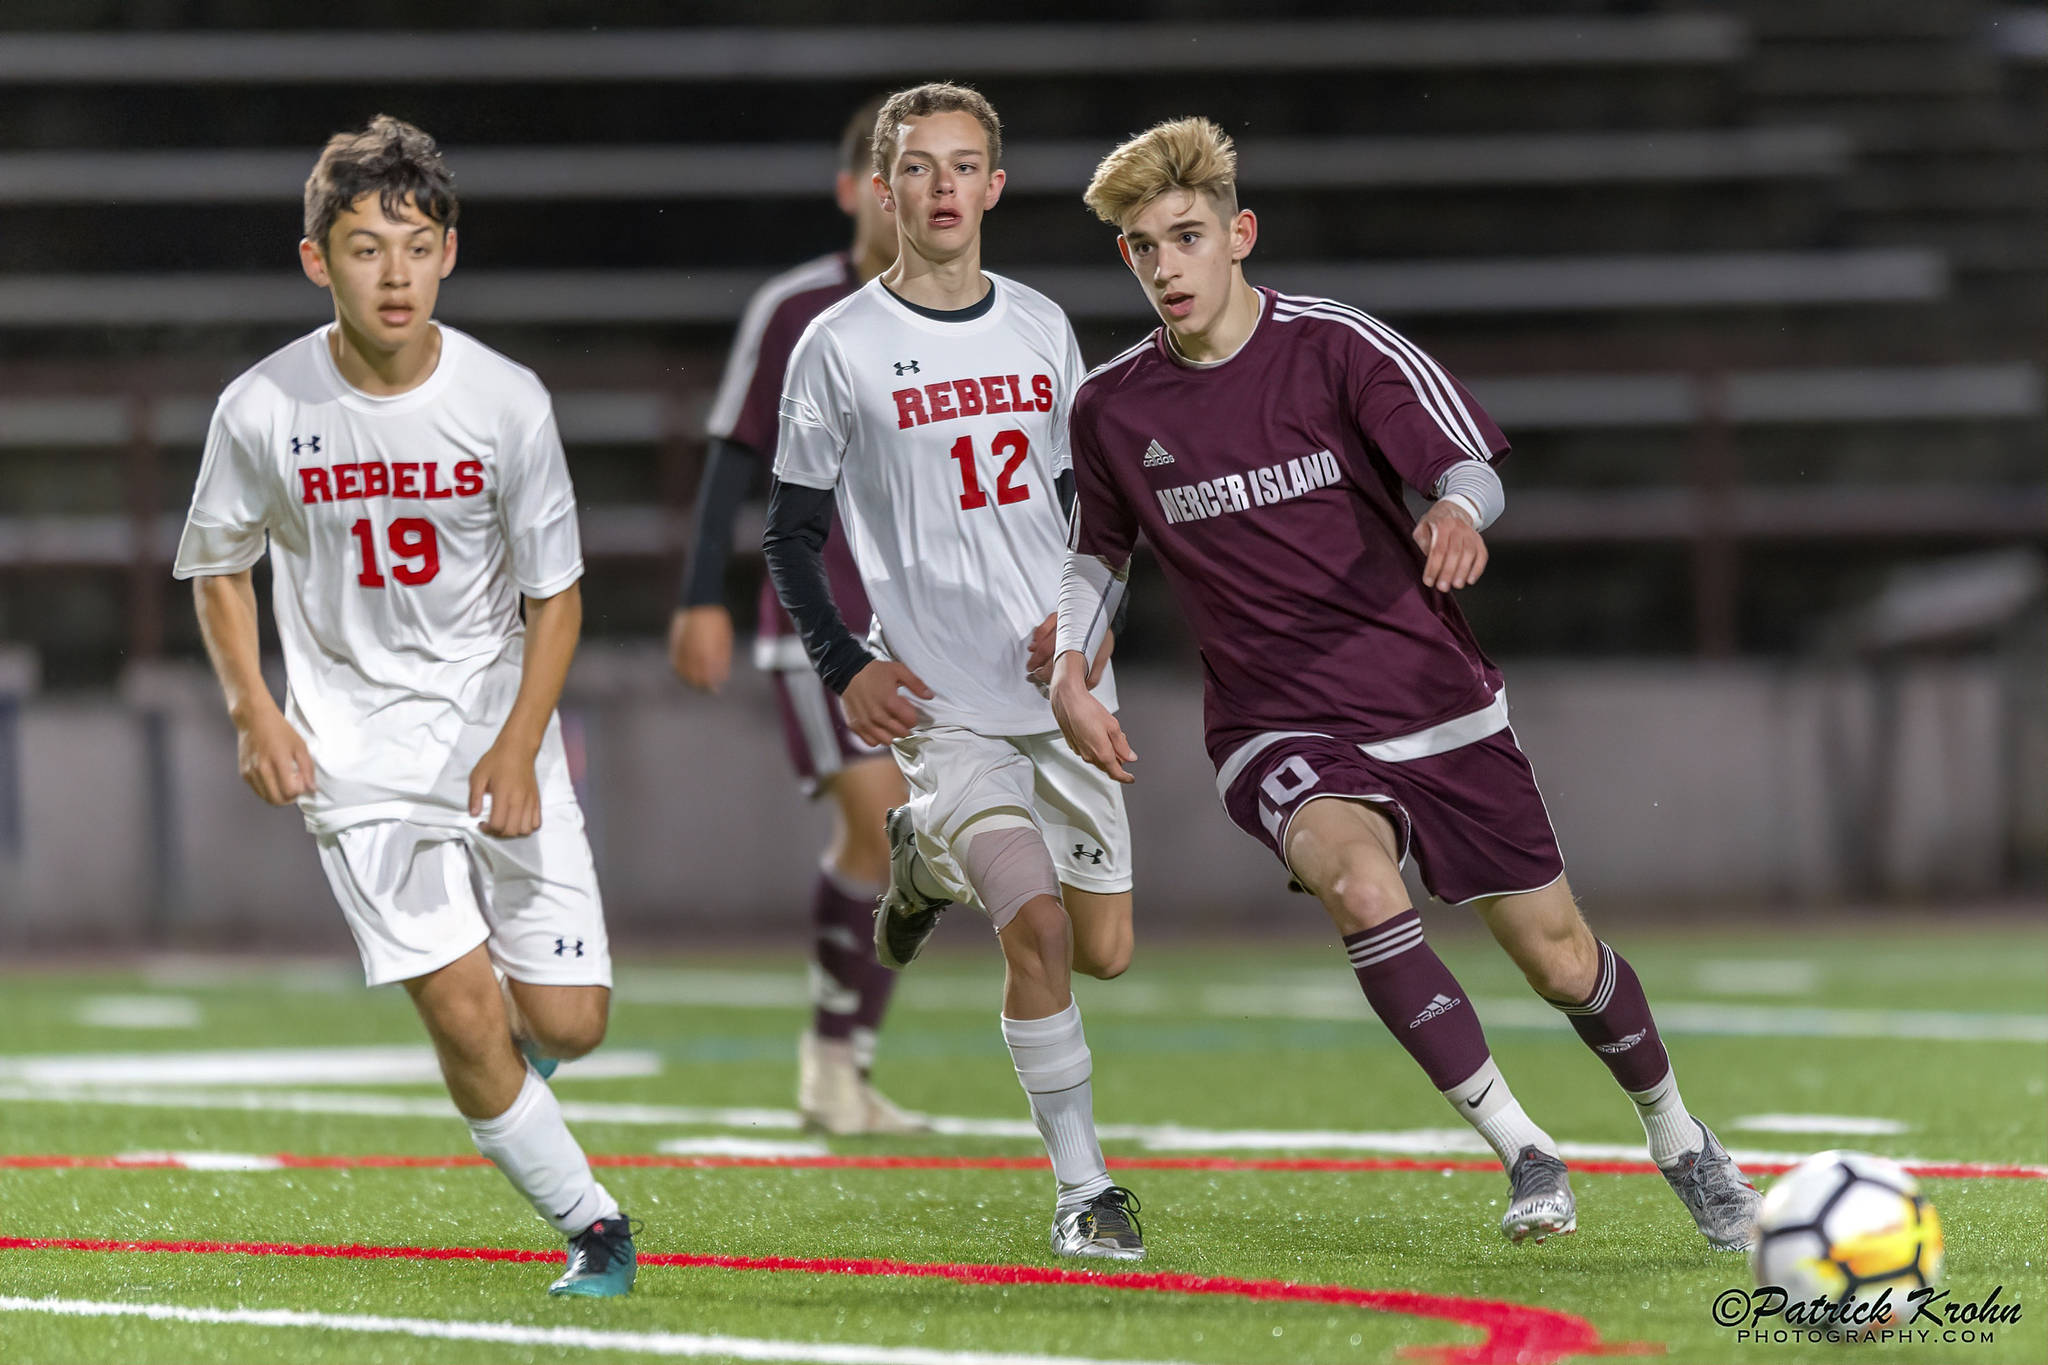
<point x="1038" y="667"/>
<point x="505" y="775"/>
<point x="1457" y="553"/>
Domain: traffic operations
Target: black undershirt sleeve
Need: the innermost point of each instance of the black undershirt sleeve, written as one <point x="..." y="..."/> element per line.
<point x="729" y="473"/>
<point x="799" y="520"/>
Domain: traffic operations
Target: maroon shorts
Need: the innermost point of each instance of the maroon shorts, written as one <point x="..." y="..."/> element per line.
<point x="1471" y="816"/>
<point x="814" y="727"/>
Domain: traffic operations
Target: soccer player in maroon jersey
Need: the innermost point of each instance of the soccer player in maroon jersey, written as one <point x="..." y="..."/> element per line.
<point x="1260" y="442"/>
<point x="850" y="990"/>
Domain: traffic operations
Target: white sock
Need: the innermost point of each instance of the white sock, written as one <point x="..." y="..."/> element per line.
<point x="532" y="1145"/>
<point x="1052" y="1060"/>
<point x="1484" y="1101"/>
<point x="1671" y="1130"/>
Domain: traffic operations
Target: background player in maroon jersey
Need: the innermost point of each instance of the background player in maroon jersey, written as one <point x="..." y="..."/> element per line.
<point x="849" y="989"/>
<point x="1260" y="441"/>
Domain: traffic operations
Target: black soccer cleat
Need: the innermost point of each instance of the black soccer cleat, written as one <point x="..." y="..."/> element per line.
<point x="1540" y="1202"/>
<point x="602" y="1262"/>
<point x="1107" y="1227"/>
<point x="904" y="916"/>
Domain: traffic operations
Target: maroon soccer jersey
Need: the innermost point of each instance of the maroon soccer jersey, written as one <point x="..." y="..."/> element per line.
<point x="744" y="412"/>
<point x="1269" y="486"/>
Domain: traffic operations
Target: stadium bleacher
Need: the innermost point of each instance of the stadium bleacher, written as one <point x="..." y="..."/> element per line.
<point x="1731" y="276"/>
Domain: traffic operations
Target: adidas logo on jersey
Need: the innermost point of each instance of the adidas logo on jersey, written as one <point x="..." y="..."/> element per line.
<point x="1156" y="455"/>
<point x="1442" y="1004"/>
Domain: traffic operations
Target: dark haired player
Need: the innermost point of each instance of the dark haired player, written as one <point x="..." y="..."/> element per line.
<point x="1260" y="442"/>
<point x="411" y="489"/>
<point x="849" y="988"/>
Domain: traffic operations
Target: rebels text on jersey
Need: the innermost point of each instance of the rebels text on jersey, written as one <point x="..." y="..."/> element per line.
<point x="943" y="437"/>
<point x="402" y="532"/>
<point x="1269" y="485"/>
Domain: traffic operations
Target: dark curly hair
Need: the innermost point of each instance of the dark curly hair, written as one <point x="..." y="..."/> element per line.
<point x="391" y="159"/>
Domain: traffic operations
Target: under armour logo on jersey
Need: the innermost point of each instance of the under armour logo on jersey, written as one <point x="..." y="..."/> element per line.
<point x="906" y="366"/>
<point x="564" y="948"/>
<point x="1156" y="455"/>
<point x="300" y="443"/>
<point x="1082" y="851"/>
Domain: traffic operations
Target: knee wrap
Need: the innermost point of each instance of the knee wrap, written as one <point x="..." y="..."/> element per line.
<point x="1007" y="866"/>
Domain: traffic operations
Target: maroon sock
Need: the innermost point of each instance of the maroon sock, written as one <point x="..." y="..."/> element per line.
<point x="1615" y="1022"/>
<point x="853" y="989"/>
<point x="1418" y="999"/>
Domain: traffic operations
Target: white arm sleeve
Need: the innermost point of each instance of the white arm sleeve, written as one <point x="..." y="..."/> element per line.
<point x="1089" y="593"/>
<point x="1474" y="486"/>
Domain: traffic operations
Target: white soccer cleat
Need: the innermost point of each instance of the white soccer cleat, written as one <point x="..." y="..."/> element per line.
<point x="889" y="1119"/>
<point x="834" y="1098"/>
<point x="1540" y="1202"/>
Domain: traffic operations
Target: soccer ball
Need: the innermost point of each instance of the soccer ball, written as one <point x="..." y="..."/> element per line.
<point x="1843" y="1227"/>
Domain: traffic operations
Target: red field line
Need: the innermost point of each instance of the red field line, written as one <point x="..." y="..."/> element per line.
<point x="1950" y="1170"/>
<point x="1515" y="1333"/>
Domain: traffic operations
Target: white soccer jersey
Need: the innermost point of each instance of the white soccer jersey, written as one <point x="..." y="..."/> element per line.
<point x="402" y="531"/>
<point x="942" y="438"/>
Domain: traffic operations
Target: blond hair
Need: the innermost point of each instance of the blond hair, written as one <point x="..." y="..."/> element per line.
<point x="934" y="97"/>
<point x="1191" y="154"/>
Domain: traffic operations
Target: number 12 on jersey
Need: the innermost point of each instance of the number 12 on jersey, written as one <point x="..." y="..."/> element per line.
<point x="410" y="538"/>
<point x="1008" y="442"/>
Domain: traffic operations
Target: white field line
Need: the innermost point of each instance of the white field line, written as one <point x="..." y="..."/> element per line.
<point x="1849" y="1124"/>
<point x="138" y="1012"/>
<point x="1169" y="1137"/>
<point x="1340" y="999"/>
<point x="560" y="1338"/>
<point x="409" y="1064"/>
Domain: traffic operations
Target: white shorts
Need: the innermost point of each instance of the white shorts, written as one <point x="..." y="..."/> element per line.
<point x="956" y="775"/>
<point x="417" y="897"/>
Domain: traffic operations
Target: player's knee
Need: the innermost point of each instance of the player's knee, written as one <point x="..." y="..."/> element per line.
<point x="1363" y="896"/>
<point x="1040" y="934"/>
<point x="573" y="1031"/>
<point x="1103" y="957"/>
<point x="1563" y="968"/>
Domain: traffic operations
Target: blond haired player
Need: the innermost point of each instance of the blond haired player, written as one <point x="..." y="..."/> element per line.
<point x="411" y="490"/>
<point x="931" y="405"/>
<point x="1260" y="441"/>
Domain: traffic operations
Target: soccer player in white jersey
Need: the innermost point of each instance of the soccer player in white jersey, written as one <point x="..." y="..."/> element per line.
<point x="411" y="488"/>
<point x="933" y="402"/>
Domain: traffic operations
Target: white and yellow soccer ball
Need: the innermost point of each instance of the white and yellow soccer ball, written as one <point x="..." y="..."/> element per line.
<point x="1844" y="1227"/>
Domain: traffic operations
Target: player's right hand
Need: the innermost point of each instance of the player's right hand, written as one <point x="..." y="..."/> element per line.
<point x="700" y="646"/>
<point x="273" y="759"/>
<point x="875" y="710"/>
<point x="1091" y="728"/>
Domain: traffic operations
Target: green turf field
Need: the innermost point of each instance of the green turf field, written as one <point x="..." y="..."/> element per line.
<point x="1923" y="1044"/>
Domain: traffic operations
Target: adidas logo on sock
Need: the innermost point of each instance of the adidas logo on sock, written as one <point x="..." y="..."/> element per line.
<point x="1156" y="455"/>
<point x="1621" y="1044"/>
<point x="1443" y="1004"/>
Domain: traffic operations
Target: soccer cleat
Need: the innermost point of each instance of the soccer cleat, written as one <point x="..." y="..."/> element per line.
<point x="886" y="1117"/>
<point x="542" y="1064"/>
<point x="1719" y="1196"/>
<point x="833" y="1097"/>
<point x="904" y="916"/>
<point x="1106" y="1227"/>
<point x="602" y="1263"/>
<point x="1540" y="1202"/>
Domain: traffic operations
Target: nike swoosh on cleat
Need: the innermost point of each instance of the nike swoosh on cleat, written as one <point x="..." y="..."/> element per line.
<point x="1473" y="1103"/>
